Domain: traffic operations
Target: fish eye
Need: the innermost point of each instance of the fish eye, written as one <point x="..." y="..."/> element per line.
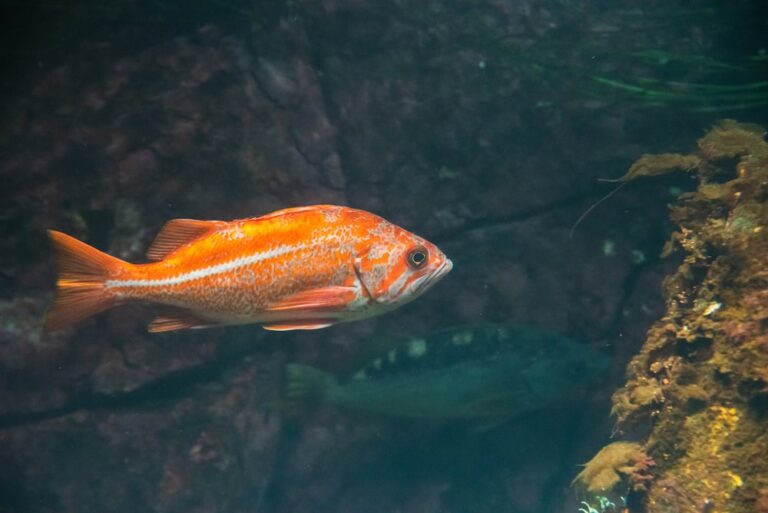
<point x="417" y="258"/>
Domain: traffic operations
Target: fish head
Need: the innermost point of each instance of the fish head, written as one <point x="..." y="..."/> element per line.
<point x="398" y="266"/>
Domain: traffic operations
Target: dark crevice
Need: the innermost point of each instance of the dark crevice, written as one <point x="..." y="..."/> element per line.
<point x="265" y="92"/>
<point x="628" y="289"/>
<point x="170" y="387"/>
<point x="329" y="108"/>
<point x="496" y="222"/>
<point x="273" y="487"/>
<point x="317" y="166"/>
<point x="297" y="146"/>
<point x="125" y="359"/>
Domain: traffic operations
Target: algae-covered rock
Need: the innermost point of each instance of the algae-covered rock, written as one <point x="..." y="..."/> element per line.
<point x="620" y="464"/>
<point x="730" y="139"/>
<point x="603" y="485"/>
<point x="701" y="379"/>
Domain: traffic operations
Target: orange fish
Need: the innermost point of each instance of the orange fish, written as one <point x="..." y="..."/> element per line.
<point x="299" y="268"/>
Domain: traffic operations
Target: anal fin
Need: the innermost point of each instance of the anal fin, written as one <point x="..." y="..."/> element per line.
<point x="177" y="319"/>
<point x="309" y="324"/>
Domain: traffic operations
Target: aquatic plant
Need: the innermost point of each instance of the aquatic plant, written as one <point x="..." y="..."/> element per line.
<point x="701" y="378"/>
<point x="602" y="504"/>
<point x="652" y="165"/>
<point x="706" y="96"/>
<point x="608" y="477"/>
<point x="601" y="65"/>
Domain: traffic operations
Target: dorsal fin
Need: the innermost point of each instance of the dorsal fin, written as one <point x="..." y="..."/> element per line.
<point x="296" y="210"/>
<point x="178" y="232"/>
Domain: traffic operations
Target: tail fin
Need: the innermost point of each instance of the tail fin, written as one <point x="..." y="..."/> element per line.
<point x="306" y="384"/>
<point x="82" y="273"/>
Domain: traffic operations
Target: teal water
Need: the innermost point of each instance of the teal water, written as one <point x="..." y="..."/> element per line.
<point x="483" y="126"/>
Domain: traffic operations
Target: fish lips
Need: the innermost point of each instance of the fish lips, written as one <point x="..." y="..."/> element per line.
<point x="430" y="279"/>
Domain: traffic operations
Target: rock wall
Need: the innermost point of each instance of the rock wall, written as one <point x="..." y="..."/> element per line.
<point x="699" y="385"/>
<point x="467" y="122"/>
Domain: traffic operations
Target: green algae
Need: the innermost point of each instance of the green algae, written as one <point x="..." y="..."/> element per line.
<point x="700" y="380"/>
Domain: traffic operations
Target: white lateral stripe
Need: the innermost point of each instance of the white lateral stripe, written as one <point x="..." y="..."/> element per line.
<point x="208" y="271"/>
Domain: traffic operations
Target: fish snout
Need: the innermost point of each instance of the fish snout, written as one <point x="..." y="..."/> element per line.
<point x="443" y="268"/>
<point x="448" y="266"/>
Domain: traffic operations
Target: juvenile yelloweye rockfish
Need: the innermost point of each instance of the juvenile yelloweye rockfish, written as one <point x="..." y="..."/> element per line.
<point x="488" y="372"/>
<point x="299" y="268"/>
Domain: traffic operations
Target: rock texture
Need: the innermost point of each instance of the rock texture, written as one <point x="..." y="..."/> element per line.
<point x="472" y="123"/>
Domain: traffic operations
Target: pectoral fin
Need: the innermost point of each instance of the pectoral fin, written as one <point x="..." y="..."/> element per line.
<point x="325" y="298"/>
<point x="311" y="309"/>
<point x="502" y="404"/>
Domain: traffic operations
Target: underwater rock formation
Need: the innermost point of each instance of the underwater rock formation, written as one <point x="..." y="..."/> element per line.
<point x="700" y="382"/>
<point x="614" y="471"/>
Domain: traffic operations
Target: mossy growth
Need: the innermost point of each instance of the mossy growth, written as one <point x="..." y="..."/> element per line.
<point x="700" y="381"/>
<point x="618" y="466"/>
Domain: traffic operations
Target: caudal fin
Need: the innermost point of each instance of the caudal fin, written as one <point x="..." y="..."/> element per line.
<point x="82" y="272"/>
<point x="306" y="384"/>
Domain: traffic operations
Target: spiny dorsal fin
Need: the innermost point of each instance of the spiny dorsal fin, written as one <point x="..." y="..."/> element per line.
<point x="178" y="232"/>
<point x="296" y="210"/>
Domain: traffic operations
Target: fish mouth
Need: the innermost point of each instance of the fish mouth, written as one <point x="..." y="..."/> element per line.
<point x="444" y="269"/>
<point x="436" y="276"/>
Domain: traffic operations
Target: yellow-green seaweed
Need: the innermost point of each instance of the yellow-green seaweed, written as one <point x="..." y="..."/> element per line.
<point x="614" y="466"/>
<point x="654" y="165"/>
<point x="700" y="380"/>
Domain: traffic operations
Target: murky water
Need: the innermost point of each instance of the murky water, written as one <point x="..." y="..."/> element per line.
<point x="622" y="322"/>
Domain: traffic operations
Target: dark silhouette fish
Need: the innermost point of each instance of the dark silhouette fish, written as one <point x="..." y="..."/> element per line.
<point x="489" y="372"/>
